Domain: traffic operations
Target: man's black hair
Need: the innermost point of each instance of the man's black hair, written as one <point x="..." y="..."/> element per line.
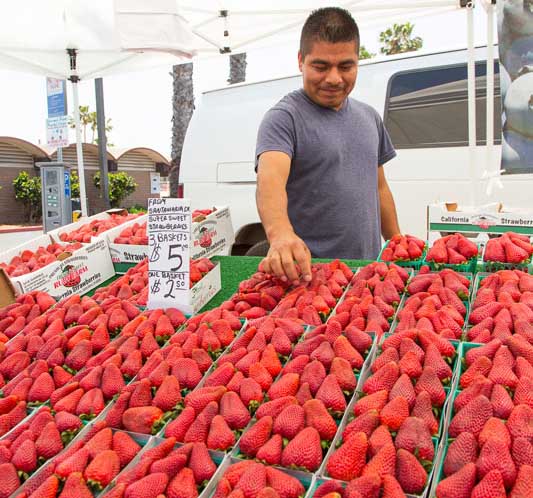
<point x="330" y="24"/>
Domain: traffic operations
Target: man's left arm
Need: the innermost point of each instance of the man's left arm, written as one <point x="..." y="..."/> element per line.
<point x="389" y="218"/>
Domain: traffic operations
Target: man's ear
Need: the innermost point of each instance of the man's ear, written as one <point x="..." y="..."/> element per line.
<point x="300" y="60"/>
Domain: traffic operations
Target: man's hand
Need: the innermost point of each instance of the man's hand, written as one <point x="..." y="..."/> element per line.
<point x="285" y="250"/>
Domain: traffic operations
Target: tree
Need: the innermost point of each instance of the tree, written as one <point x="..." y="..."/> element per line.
<point x="397" y="40"/>
<point x="182" y="109"/>
<point x="121" y="185"/>
<point x="237" y="68"/>
<point x="88" y="119"/>
<point x="364" y="53"/>
<point x="28" y="190"/>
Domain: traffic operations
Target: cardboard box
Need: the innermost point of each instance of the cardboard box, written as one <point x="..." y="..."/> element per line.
<point x="197" y="297"/>
<point x="473" y="221"/>
<point x="214" y="235"/>
<point x="7" y="290"/>
<point x="55" y="234"/>
<point x="77" y="273"/>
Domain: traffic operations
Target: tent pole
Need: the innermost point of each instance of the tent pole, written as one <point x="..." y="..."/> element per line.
<point x="79" y="148"/>
<point x="471" y="72"/>
<point x="490" y="84"/>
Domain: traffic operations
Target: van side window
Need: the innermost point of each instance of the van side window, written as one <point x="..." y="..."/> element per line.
<point x="429" y="107"/>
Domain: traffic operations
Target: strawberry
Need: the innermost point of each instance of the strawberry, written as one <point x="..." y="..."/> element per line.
<point x="114" y="415"/>
<point x="524" y="481"/>
<point x="201" y="464"/>
<point x="125" y="447"/>
<point x="275" y="407"/>
<point x="78" y="357"/>
<point x="77" y="462"/>
<point x="348" y="461"/>
<point x="286" y="485"/>
<point x="367" y="423"/>
<point x="410" y="473"/>
<point x="250" y="393"/>
<point x="304" y="450"/>
<point x="75" y="487"/>
<point x="270" y="452"/>
<point x="91" y="403"/>
<point x="102" y="440"/>
<point x="153" y="484"/>
<point x="49" y="443"/>
<point x="221" y="375"/>
<point x="364" y="486"/>
<point x="522" y="452"/>
<point x="9" y="480"/>
<point x="375" y="401"/>
<point x="458" y="485"/>
<point x="47" y="489"/>
<point x="382" y="379"/>
<point x="200" y="398"/>
<point x="253" y="480"/>
<point x="25" y="457"/>
<point x="168" y="396"/>
<point x="42" y="388"/>
<point x="162" y="449"/>
<point x="317" y="416"/>
<point x="102" y="469"/>
<point x="495" y="455"/>
<point x="187" y="372"/>
<point x="144" y="420"/>
<point x="403" y="388"/>
<point x="430" y="382"/>
<point x="331" y="395"/>
<point x="313" y="374"/>
<point x="415" y="436"/>
<point x="169" y="465"/>
<point x="494" y="429"/>
<point x="234" y="411"/>
<point x="220" y="436"/>
<point x="256" y="436"/>
<point x="520" y="422"/>
<point x="392" y="488"/>
<point x="382" y="463"/>
<point x="199" y="429"/>
<point x="178" y="427"/>
<point x="289" y="422"/>
<point x="287" y="385"/>
<point x="261" y="375"/>
<point x="491" y="485"/>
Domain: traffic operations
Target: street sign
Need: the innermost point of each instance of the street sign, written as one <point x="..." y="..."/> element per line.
<point x="56" y="97"/>
<point x="169" y="234"/>
<point x="57" y="131"/>
<point x="57" y="122"/>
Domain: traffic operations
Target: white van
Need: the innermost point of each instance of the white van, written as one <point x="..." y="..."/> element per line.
<point x="422" y="98"/>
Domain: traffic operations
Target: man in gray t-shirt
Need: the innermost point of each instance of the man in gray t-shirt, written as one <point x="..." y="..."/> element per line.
<point x="321" y="189"/>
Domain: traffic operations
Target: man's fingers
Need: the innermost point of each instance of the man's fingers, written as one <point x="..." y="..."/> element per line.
<point x="287" y="260"/>
<point x="303" y="258"/>
<point x="275" y="265"/>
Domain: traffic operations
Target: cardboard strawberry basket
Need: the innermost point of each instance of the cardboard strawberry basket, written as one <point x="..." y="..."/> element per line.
<point x="304" y="479"/>
<point x="469" y="267"/>
<point x="140" y="475"/>
<point x="494" y="266"/>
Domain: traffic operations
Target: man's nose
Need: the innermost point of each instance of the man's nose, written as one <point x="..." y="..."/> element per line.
<point x="333" y="77"/>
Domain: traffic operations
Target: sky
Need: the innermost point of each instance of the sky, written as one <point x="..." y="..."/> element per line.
<point x="139" y="104"/>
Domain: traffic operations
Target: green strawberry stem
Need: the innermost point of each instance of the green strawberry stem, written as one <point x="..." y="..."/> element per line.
<point x="94" y="485"/>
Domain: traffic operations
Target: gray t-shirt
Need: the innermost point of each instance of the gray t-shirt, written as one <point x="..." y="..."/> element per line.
<point x="333" y="201"/>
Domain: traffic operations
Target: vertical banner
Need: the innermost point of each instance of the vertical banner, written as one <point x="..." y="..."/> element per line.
<point x="515" y="42"/>
<point x="169" y="234"/>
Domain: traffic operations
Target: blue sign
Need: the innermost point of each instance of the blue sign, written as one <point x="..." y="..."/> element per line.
<point x="67" y="184"/>
<point x="56" y="97"/>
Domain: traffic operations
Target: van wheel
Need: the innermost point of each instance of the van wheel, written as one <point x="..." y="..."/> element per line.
<point x="259" y="249"/>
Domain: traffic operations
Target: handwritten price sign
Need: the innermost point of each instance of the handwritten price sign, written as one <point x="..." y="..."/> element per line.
<point x="169" y="239"/>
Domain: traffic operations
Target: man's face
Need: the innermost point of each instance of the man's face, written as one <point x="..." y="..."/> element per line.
<point x="329" y="72"/>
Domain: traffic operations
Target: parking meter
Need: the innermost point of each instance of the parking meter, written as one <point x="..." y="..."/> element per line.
<point x="56" y="192"/>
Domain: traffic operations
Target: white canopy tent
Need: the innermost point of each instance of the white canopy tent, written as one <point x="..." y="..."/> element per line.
<point x="73" y="39"/>
<point x="107" y="38"/>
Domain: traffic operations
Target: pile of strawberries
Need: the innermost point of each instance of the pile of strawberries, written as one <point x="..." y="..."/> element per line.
<point x="403" y="248"/>
<point x="87" y="466"/>
<point x="394" y="420"/>
<point x="167" y="469"/>
<point x="200" y="214"/>
<point x="437" y="302"/>
<point x="490" y="453"/>
<point x="35" y="441"/>
<point x="28" y="261"/>
<point x="453" y="249"/>
<point x="134" y="235"/>
<point x="95" y="227"/>
<point x="255" y="480"/>
<point x="511" y="248"/>
<point x="133" y="285"/>
<point x="26" y="308"/>
<point x="503" y="306"/>
<point x="371" y="301"/>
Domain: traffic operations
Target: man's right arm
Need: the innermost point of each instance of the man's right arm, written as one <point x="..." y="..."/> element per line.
<point x="271" y="196"/>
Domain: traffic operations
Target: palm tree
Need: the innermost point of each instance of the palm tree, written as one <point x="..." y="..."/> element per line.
<point x="182" y="109"/>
